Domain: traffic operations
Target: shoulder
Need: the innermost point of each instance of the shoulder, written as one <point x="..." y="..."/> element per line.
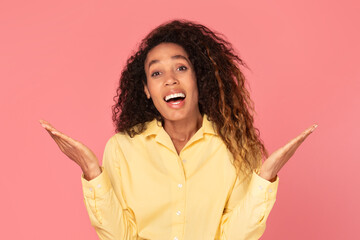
<point x="114" y="139"/>
<point x="121" y="138"/>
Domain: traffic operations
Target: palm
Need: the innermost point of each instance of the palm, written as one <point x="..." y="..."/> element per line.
<point x="73" y="149"/>
<point x="279" y="158"/>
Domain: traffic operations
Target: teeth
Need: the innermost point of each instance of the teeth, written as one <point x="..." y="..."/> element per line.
<point x="175" y="95"/>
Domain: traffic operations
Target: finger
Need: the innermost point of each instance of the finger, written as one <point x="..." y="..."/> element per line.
<point x="307" y="132"/>
<point x="65" y="147"/>
<point x="54" y="131"/>
<point x="50" y="133"/>
<point x="66" y="138"/>
<point x="44" y="123"/>
<point x="295" y="142"/>
<point x="310" y="129"/>
<point x="59" y="141"/>
<point x="65" y="142"/>
<point x="47" y="126"/>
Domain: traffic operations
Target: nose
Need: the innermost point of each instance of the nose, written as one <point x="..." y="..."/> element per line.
<point x="171" y="79"/>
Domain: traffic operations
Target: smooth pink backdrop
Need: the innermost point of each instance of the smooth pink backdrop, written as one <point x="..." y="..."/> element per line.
<point x="60" y="61"/>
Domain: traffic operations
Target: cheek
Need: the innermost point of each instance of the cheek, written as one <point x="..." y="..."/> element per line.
<point x="195" y="89"/>
<point x="153" y="90"/>
<point x="155" y="93"/>
<point x="151" y="87"/>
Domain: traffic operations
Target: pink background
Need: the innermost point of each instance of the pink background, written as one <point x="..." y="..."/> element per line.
<point x="60" y="61"/>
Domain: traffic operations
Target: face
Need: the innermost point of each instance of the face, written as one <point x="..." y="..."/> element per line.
<point x="171" y="82"/>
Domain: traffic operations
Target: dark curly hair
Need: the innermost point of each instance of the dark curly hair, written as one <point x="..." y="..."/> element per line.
<point x="223" y="96"/>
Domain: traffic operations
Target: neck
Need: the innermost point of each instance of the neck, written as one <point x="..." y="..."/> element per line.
<point x="181" y="131"/>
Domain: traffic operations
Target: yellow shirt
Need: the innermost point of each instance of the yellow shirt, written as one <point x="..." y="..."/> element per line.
<point x="148" y="191"/>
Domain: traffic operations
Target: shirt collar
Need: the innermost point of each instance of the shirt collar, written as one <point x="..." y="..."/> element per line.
<point x="208" y="126"/>
<point x="153" y="127"/>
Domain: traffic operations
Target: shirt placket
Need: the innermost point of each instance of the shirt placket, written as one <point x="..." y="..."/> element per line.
<point x="179" y="190"/>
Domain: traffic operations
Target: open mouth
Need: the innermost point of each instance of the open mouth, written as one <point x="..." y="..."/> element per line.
<point x="174" y="98"/>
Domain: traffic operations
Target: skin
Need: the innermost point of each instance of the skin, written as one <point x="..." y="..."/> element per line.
<point x="168" y="74"/>
<point x="169" y="70"/>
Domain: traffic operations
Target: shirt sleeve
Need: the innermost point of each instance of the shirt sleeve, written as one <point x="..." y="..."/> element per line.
<point x="104" y="203"/>
<point x="248" y="208"/>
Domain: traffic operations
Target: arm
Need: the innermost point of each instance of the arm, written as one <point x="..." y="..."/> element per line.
<point x="248" y="208"/>
<point x="104" y="201"/>
<point x="102" y="192"/>
<point x="247" y="219"/>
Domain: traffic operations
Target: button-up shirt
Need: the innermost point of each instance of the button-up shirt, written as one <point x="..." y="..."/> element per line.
<point x="148" y="191"/>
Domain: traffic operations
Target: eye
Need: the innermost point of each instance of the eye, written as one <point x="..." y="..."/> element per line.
<point x="154" y="74"/>
<point x="182" y="68"/>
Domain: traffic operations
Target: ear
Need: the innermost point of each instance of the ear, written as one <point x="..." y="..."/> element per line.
<point x="146" y="90"/>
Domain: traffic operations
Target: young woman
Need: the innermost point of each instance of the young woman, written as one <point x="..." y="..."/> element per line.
<point x="186" y="161"/>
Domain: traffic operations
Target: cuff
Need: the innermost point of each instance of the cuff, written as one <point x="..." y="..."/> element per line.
<point x="96" y="187"/>
<point x="260" y="186"/>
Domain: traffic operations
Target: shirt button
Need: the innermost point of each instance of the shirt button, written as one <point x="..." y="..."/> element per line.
<point x="260" y="187"/>
<point x="99" y="185"/>
<point x="270" y="190"/>
<point x="176" y="238"/>
<point x="178" y="213"/>
<point x="184" y="161"/>
<point x="90" y="189"/>
<point x="180" y="185"/>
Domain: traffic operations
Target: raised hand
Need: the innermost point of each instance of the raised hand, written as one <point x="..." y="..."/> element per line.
<point x="76" y="151"/>
<point x="277" y="159"/>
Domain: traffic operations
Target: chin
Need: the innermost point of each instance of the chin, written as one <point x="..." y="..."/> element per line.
<point x="174" y="116"/>
<point x="180" y="115"/>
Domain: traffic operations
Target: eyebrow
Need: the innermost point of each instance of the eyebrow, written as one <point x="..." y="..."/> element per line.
<point x="173" y="57"/>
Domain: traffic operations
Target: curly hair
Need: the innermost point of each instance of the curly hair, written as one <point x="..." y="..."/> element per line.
<point x="223" y="96"/>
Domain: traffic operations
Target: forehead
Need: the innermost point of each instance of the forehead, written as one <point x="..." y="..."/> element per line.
<point x="164" y="51"/>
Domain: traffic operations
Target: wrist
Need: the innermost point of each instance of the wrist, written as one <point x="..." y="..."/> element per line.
<point x="92" y="172"/>
<point x="268" y="176"/>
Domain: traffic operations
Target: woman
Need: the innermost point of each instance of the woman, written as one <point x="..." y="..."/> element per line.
<point x="186" y="161"/>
